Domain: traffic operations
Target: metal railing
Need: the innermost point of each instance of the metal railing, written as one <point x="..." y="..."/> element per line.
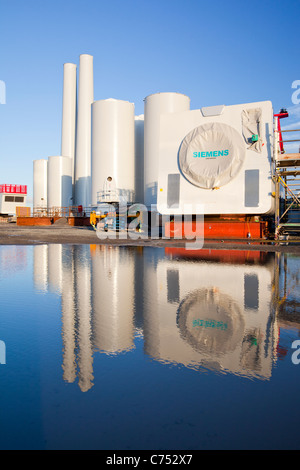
<point x="287" y="215"/>
<point x="71" y="211"/>
<point x="289" y="130"/>
<point x="115" y="195"/>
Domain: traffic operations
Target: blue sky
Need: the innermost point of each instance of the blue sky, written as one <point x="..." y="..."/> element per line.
<point x="216" y="52"/>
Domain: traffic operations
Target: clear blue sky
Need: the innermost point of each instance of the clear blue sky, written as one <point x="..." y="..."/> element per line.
<point x="216" y="52"/>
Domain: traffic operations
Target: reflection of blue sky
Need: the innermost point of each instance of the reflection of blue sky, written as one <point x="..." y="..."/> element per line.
<point x="293" y="263"/>
<point x="13" y="259"/>
<point x="293" y="278"/>
<point x="28" y="326"/>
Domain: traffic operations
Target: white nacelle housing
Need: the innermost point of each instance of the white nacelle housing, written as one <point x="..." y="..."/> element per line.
<point x="218" y="159"/>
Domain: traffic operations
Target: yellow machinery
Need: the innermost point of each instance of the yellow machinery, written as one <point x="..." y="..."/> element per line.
<point x="114" y="220"/>
<point x="95" y="218"/>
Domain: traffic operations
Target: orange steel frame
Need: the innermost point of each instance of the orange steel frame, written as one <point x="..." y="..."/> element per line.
<point x="212" y="229"/>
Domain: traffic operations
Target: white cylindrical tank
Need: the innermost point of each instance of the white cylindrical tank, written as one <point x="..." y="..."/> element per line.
<point x="40" y="171"/>
<point x="68" y="130"/>
<point x="139" y="158"/>
<point x="113" y="159"/>
<point x="155" y="105"/>
<point x="59" y="185"/>
<point x="83" y="134"/>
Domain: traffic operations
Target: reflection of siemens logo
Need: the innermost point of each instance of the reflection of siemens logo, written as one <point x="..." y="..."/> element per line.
<point x="215" y="153"/>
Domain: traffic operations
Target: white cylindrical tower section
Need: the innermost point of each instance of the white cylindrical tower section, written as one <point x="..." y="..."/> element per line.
<point x="83" y="134"/>
<point x="40" y="171"/>
<point x="68" y="130"/>
<point x="155" y="105"/>
<point x="59" y="182"/>
<point x="139" y="158"/>
<point x="113" y="159"/>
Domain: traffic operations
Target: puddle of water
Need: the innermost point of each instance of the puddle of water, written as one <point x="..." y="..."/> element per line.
<point x="148" y="348"/>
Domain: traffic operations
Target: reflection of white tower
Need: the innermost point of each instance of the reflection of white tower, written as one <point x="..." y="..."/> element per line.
<point x="152" y="287"/>
<point x="113" y="299"/>
<point x="55" y="268"/>
<point x="214" y="315"/>
<point x="84" y="310"/>
<point x="68" y="315"/>
<point x="40" y="267"/>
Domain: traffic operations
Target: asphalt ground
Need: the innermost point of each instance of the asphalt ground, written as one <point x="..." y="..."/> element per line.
<point x="12" y="234"/>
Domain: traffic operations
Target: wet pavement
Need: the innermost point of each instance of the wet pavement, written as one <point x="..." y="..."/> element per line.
<point x="12" y="234"/>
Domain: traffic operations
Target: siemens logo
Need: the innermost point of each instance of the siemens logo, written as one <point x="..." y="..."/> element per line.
<point x="213" y="154"/>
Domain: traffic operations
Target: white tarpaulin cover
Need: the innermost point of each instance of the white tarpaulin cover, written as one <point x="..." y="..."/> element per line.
<point x="211" y="155"/>
<point x="251" y="119"/>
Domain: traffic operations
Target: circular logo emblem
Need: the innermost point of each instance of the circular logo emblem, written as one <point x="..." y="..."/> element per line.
<point x="211" y="155"/>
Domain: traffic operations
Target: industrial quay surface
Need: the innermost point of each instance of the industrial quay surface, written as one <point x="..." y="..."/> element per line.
<point x="11" y="234"/>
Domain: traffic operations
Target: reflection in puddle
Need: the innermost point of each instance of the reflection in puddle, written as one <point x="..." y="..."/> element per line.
<point x="222" y="321"/>
<point x="209" y="310"/>
<point x="210" y="321"/>
<point x="13" y="259"/>
<point x="113" y="299"/>
<point x="97" y="299"/>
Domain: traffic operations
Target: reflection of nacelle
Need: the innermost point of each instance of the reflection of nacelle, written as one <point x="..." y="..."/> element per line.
<point x="218" y="157"/>
<point x="212" y="315"/>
